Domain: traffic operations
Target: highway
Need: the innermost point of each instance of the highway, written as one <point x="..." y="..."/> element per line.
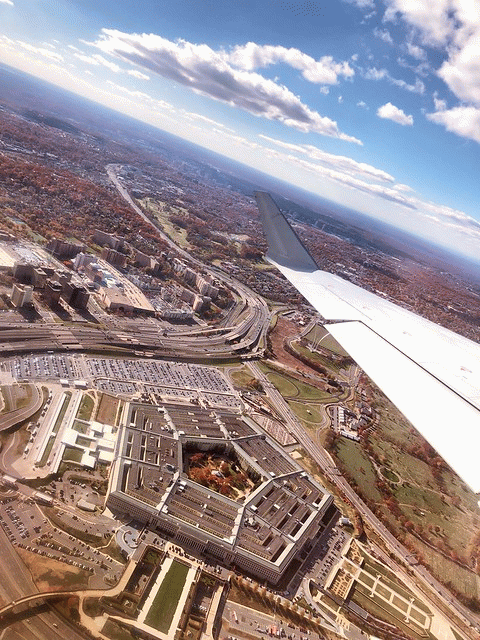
<point x="8" y="420"/>
<point x="219" y="344"/>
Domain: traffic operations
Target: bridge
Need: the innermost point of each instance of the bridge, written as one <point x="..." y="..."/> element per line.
<point x="36" y="598"/>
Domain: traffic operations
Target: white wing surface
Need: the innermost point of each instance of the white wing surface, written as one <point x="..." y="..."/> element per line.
<point x="430" y="373"/>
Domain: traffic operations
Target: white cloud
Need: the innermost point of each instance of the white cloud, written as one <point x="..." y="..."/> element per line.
<point x="375" y="190"/>
<point x="415" y="51"/>
<point x="389" y="111"/>
<point x="9" y="2"/>
<point x="198" y="116"/>
<point x="461" y="72"/>
<point x="435" y="221"/>
<point x="464" y="121"/>
<point x="440" y="105"/>
<point x="362" y="104"/>
<point x="143" y="97"/>
<point x="138" y="74"/>
<point x="402" y="187"/>
<point x="383" y="34"/>
<point x="97" y="60"/>
<point x="376" y="74"/>
<point x="46" y="53"/>
<point x="362" y="4"/>
<point x="237" y="139"/>
<point x="418" y="87"/>
<point x="382" y="74"/>
<point x="455" y="26"/>
<point x="343" y="163"/>
<point x="323" y="71"/>
<point x="210" y="73"/>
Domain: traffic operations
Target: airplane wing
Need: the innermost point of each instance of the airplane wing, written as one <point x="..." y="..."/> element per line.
<point x="431" y="374"/>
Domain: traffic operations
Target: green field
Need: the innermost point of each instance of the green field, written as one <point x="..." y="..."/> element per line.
<point x="85" y="409"/>
<point x="328" y="363"/>
<point x="311" y="416"/>
<point x="80" y="426"/>
<point x="162" y="211"/>
<point x="63" y="411"/>
<point x="293" y="388"/>
<point x="381" y="609"/>
<point x="242" y="378"/>
<point x="46" y="452"/>
<point x="327" y="341"/>
<point x="438" y="506"/>
<point x="287" y="387"/>
<point x="160" y="614"/>
<point x="72" y="455"/>
<point x="359" y="467"/>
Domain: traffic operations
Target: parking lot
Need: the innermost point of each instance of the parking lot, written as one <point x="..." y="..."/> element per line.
<point x="27" y="527"/>
<point x="120" y="375"/>
<point x="330" y="552"/>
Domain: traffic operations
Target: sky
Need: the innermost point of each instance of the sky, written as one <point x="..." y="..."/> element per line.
<point x="374" y="104"/>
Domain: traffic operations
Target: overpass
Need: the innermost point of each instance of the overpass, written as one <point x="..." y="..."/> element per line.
<point x="35" y="598"/>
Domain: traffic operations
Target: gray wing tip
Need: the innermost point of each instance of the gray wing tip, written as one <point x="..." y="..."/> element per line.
<point x="284" y="246"/>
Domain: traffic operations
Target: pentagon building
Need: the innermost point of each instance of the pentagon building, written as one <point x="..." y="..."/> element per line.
<point x="212" y="482"/>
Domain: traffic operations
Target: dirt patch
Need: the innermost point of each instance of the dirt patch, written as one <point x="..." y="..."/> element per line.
<point x="107" y="409"/>
<point x="53" y="575"/>
<point x="286" y="329"/>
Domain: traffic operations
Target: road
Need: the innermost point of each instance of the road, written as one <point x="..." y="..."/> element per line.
<point x="10" y="419"/>
<point x="15" y="583"/>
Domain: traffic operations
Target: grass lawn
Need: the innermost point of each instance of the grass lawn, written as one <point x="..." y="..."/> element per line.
<point x="86" y="407"/>
<point x="390" y="475"/>
<point x="63" y="410"/>
<point x="160" y="614"/>
<point x="307" y="392"/>
<point x="443" y="510"/>
<point x="286" y="386"/>
<point x="293" y="388"/>
<point x="318" y="358"/>
<point x="80" y="426"/>
<point x="116" y="631"/>
<point x="157" y="210"/>
<point x="390" y="581"/>
<point x="242" y="378"/>
<point x="381" y="609"/>
<point x="47" y="451"/>
<point x="327" y="341"/>
<point x="359" y="467"/>
<point x="301" y="410"/>
<point x="83" y="442"/>
<point x="463" y="580"/>
<point x="71" y="454"/>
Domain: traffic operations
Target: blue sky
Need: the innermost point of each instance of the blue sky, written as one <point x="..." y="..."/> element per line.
<point x="372" y="103"/>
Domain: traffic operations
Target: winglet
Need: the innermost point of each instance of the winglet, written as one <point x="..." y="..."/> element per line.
<point x="284" y="247"/>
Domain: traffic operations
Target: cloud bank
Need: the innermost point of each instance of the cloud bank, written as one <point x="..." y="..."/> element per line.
<point x="213" y="74"/>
